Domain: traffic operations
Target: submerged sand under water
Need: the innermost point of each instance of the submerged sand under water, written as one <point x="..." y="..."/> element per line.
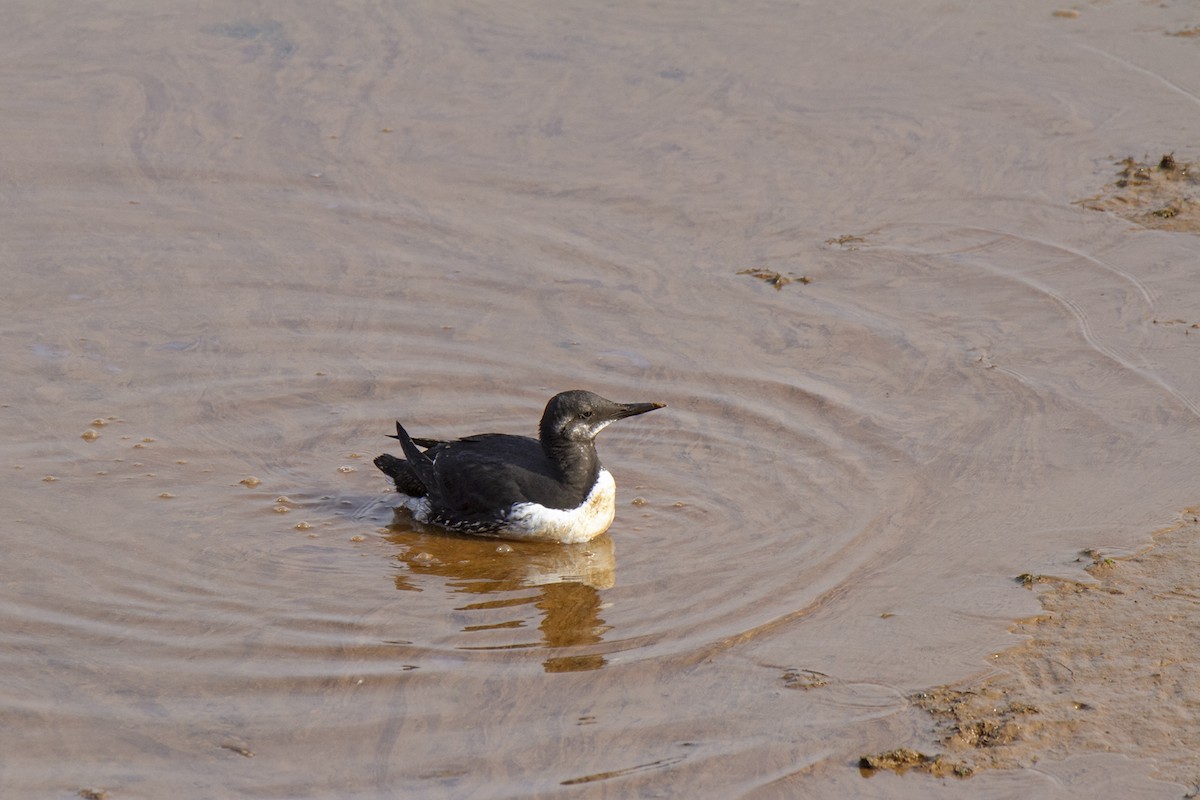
<point x="915" y="340"/>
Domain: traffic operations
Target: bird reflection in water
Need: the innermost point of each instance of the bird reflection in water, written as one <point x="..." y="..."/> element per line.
<point x="566" y="580"/>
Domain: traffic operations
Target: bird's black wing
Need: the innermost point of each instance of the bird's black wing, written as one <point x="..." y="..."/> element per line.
<point x="476" y="478"/>
<point x="489" y="472"/>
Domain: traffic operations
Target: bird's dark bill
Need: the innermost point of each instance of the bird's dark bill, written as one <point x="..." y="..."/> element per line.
<point x="633" y="409"/>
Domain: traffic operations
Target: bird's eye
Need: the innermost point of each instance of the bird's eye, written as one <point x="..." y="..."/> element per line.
<point x="586" y="414"/>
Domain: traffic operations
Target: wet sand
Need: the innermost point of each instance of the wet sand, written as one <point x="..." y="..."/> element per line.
<point x="1157" y="193"/>
<point x="875" y="260"/>
<point x="1109" y="667"/>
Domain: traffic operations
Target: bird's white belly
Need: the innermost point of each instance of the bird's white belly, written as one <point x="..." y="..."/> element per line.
<point x="569" y="525"/>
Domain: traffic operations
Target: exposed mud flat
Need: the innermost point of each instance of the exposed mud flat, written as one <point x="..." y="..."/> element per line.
<point x="1110" y="667"/>
<point x="1156" y="194"/>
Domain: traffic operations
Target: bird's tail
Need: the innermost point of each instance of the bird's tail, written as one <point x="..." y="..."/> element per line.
<point x="402" y="475"/>
<point x="414" y="472"/>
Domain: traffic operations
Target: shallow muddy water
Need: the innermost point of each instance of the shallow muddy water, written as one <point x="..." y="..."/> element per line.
<point x="240" y="240"/>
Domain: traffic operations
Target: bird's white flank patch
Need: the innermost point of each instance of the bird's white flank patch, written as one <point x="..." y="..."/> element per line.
<point x="568" y="526"/>
<point x="419" y="506"/>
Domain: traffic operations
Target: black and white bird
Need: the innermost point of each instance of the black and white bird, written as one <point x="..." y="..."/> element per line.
<point x="552" y="488"/>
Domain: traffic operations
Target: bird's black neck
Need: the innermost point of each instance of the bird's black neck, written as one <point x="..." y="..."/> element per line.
<point x="576" y="463"/>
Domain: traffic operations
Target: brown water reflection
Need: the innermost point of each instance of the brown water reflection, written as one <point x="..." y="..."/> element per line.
<point x="563" y="582"/>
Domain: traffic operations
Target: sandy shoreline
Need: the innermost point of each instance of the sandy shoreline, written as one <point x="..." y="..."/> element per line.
<point x="1109" y="667"/>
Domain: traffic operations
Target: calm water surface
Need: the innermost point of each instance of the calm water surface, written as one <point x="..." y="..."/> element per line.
<point x="239" y="241"/>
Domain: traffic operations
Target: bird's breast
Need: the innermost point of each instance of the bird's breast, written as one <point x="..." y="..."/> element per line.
<point x="571" y="525"/>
